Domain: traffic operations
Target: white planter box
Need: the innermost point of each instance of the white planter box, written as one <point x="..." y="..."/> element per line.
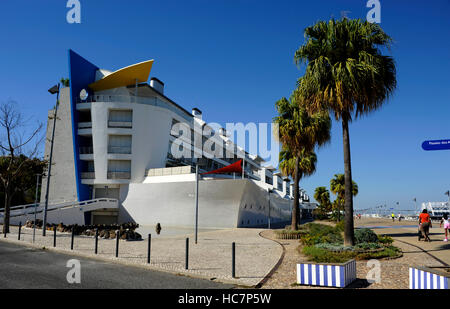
<point x="322" y="274"/>
<point x="427" y="278"/>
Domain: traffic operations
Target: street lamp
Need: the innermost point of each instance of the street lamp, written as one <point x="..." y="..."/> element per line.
<point x="53" y="90"/>
<point x="268" y="193"/>
<point x="35" y="205"/>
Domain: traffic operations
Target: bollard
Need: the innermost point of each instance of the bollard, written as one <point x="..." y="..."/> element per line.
<point x="187" y="254"/>
<point x="149" y="247"/>
<point x="233" y="260"/>
<point x="117" y="243"/>
<point x="54" y="236"/>
<point x="20" y="228"/>
<point x="73" y="236"/>
<point x="96" y="241"/>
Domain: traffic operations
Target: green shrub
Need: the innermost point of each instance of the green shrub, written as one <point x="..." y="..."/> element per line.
<point x="336" y="247"/>
<point x="340" y="226"/>
<point x="385" y="240"/>
<point x="320" y="233"/>
<point x="321" y="255"/>
<point x="365" y="235"/>
<point x="368" y="246"/>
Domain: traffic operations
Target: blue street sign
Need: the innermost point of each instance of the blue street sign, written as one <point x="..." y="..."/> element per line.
<point x="436" y="145"/>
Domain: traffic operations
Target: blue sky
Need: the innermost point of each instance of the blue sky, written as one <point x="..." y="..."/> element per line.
<point x="233" y="60"/>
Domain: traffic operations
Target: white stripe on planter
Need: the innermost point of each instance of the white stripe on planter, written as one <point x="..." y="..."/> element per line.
<point x="423" y="279"/>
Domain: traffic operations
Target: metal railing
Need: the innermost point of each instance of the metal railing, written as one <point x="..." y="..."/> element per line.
<point x="119" y="175"/>
<point x="86" y="150"/>
<point x="29" y="208"/>
<point x="84" y="125"/>
<point x="88" y="175"/>
<point x="119" y="149"/>
<point x="120" y="124"/>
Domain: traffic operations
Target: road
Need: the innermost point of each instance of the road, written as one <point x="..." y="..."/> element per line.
<point x="28" y="268"/>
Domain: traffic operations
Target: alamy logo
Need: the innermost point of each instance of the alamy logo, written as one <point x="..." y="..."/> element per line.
<point x="74" y="274"/>
<point x="374" y="274"/>
<point x="374" y="14"/>
<point x="74" y="14"/>
<point x="213" y="141"/>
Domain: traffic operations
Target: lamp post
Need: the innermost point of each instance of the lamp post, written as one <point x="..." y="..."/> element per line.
<point x="268" y="193"/>
<point x="196" y="202"/>
<point x="53" y="90"/>
<point x="35" y="205"/>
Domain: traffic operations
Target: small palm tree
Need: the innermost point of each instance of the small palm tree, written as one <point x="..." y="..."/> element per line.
<point x="297" y="167"/>
<point x="337" y="186"/>
<point x="322" y="195"/>
<point x="300" y="132"/>
<point x="348" y="75"/>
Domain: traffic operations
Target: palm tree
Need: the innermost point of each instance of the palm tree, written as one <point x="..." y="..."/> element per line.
<point x="299" y="132"/>
<point x="347" y="74"/>
<point x="297" y="167"/>
<point x="337" y="187"/>
<point x="322" y="195"/>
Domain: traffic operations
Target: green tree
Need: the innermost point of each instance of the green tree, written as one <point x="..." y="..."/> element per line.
<point x="299" y="133"/>
<point x="297" y="167"/>
<point x="337" y="187"/>
<point x="347" y="74"/>
<point x="65" y="82"/>
<point x="322" y="195"/>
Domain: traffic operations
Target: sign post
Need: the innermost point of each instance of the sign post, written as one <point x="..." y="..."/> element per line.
<point x="443" y="144"/>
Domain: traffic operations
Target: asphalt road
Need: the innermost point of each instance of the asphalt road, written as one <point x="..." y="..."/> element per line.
<point x="28" y="268"/>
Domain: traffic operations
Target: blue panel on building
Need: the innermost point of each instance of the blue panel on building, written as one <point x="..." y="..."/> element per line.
<point x="81" y="74"/>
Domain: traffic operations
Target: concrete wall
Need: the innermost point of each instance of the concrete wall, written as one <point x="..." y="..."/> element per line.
<point x="62" y="181"/>
<point x="223" y="203"/>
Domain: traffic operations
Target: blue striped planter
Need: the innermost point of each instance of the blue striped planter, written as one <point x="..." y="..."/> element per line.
<point x="426" y="278"/>
<point x="333" y="275"/>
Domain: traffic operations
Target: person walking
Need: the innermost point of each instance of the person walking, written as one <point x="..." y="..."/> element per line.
<point x="425" y="224"/>
<point x="393" y="217"/>
<point x="446" y="222"/>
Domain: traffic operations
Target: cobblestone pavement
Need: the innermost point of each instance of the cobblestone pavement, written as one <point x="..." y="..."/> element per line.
<point x="210" y="258"/>
<point x="394" y="273"/>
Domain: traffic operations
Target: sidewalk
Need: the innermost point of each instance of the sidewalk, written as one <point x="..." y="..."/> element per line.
<point x="209" y="259"/>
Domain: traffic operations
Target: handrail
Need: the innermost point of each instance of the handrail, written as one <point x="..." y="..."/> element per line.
<point x="51" y="207"/>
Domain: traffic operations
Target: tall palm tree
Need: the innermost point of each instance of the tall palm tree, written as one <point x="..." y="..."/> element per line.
<point x="300" y="132"/>
<point x="337" y="187"/>
<point x="347" y="74"/>
<point x="297" y="166"/>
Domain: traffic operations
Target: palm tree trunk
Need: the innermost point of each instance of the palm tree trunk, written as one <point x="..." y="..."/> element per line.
<point x="348" y="202"/>
<point x="295" y="207"/>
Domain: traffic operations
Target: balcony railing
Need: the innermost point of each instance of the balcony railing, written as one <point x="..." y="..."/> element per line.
<point x="84" y="125"/>
<point x="86" y="150"/>
<point x="88" y="175"/>
<point x="120" y="124"/>
<point x="119" y="149"/>
<point x="119" y="175"/>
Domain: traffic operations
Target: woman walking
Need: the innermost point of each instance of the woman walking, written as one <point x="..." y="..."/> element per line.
<point x="425" y="224"/>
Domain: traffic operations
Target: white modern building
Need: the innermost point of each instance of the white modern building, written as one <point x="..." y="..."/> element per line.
<point x="113" y="141"/>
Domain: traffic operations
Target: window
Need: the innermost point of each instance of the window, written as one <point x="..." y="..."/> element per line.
<point x="120" y="118"/>
<point x="119" y="144"/>
<point x="119" y="169"/>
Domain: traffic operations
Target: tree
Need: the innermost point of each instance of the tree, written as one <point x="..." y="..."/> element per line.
<point x="17" y="148"/>
<point x="337" y="187"/>
<point x="322" y="195"/>
<point x="300" y="132"/>
<point x="297" y="167"/>
<point x="65" y="82"/>
<point x="347" y="74"/>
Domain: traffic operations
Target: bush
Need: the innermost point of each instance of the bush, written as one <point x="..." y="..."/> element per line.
<point x="340" y="226"/>
<point x="368" y="246"/>
<point x="385" y="240"/>
<point x="320" y="233"/>
<point x="321" y="255"/>
<point x="334" y="247"/>
<point x="365" y="235"/>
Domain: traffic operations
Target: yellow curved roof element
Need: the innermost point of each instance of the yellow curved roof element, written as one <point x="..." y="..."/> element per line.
<point x="124" y="77"/>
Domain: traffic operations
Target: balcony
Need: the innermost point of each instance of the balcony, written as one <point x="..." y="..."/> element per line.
<point x="86" y="150"/>
<point x="88" y="175"/>
<point x="119" y="149"/>
<point x="85" y="125"/>
<point x="120" y="124"/>
<point x="119" y="175"/>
